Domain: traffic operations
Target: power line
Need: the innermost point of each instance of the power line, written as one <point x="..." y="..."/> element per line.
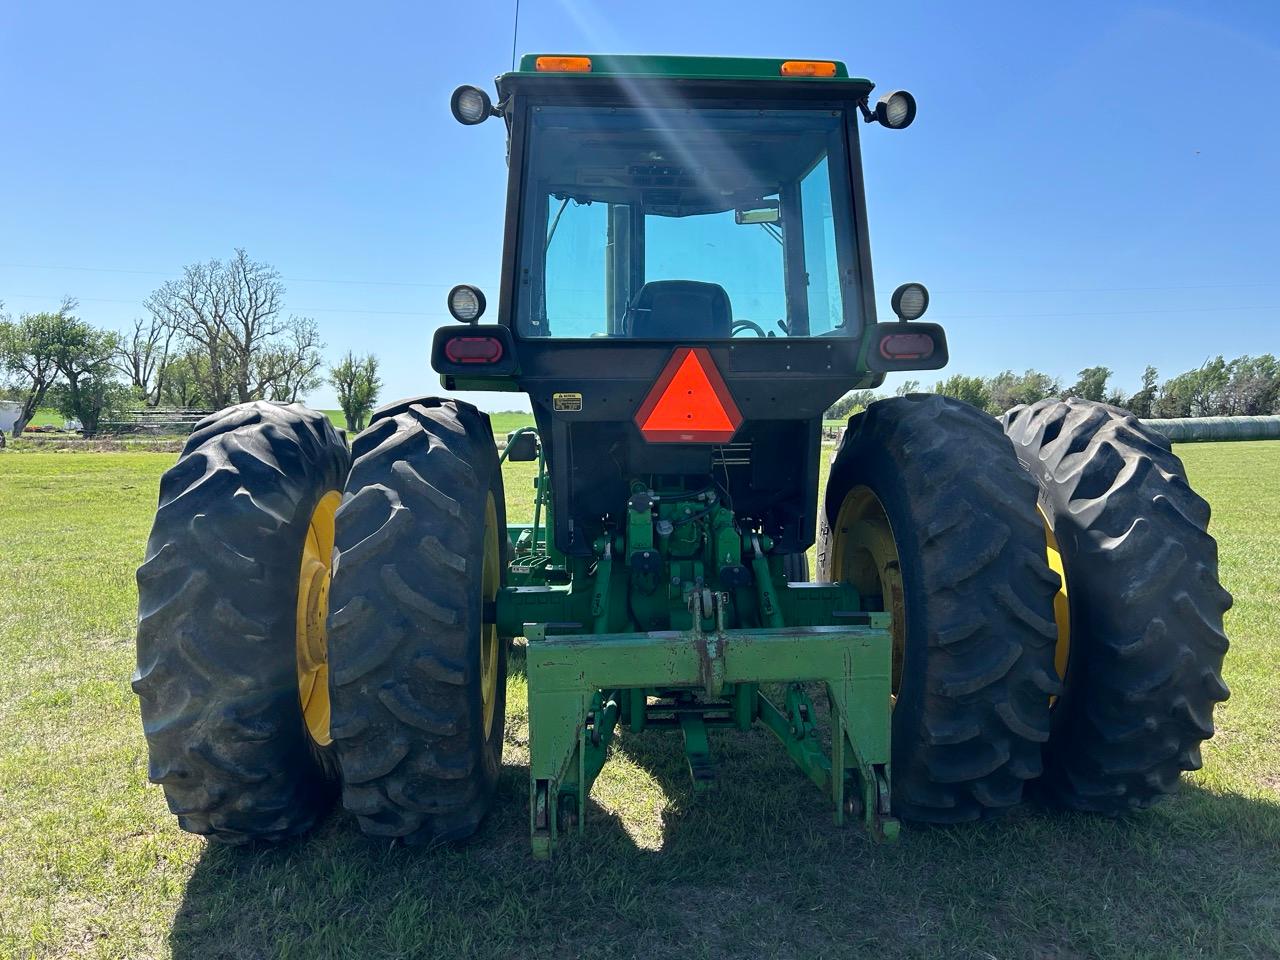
<point x="436" y="285"/>
<point x="1105" y="313"/>
<point x="1185" y="286"/>
<point x="289" y="279"/>
<point x="946" y="316"/>
<point x="355" y="311"/>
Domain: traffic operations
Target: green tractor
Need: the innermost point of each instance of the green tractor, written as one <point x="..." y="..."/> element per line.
<point x="686" y="288"/>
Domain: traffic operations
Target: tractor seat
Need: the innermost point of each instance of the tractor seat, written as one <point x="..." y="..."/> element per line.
<point x="681" y="310"/>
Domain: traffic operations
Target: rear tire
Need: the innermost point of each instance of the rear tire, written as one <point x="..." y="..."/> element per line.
<point x="1146" y="640"/>
<point x="957" y="547"/>
<point x="218" y="674"/>
<point x="406" y="637"/>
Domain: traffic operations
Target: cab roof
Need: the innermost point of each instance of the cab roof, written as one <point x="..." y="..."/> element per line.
<point x="700" y="68"/>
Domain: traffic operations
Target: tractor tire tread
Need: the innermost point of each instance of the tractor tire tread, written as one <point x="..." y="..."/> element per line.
<point x="403" y="622"/>
<point x="1146" y="605"/>
<point x="217" y="674"/>
<point x="965" y="743"/>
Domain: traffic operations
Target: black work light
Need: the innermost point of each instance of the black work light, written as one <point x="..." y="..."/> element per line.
<point x="470" y="105"/>
<point x="466" y="303"/>
<point x="896" y="110"/>
<point x="910" y="301"/>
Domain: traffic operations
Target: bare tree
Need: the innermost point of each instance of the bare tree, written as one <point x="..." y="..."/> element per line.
<point x="143" y="357"/>
<point x="253" y="295"/>
<point x="290" y="367"/>
<point x="194" y="308"/>
<point x="232" y="314"/>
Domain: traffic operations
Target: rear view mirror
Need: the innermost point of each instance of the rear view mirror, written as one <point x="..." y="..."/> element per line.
<point x="764" y="213"/>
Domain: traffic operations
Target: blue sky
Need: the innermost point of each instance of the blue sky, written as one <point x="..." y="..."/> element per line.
<point x="1085" y="183"/>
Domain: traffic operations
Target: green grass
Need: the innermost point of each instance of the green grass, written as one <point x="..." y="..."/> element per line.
<point x="47" y="417"/>
<point x="92" y="864"/>
<point x="508" y="420"/>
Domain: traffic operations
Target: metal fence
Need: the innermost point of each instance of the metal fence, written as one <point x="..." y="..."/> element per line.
<point x="157" y="421"/>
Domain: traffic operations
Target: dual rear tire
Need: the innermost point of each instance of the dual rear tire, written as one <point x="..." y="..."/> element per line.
<point x="241" y="616"/>
<point x="419" y="683"/>
<point x="232" y="708"/>
<point x="1091" y="679"/>
<point x="930" y="511"/>
<point x="1144" y="607"/>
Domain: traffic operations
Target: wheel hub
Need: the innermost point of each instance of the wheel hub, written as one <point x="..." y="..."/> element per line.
<point x="865" y="554"/>
<point x="313" y="610"/>
<point x="490" y="582"/>
<point x="1061" y="602"/>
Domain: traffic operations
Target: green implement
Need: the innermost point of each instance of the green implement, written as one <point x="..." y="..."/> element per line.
<point x="578" y="686"/>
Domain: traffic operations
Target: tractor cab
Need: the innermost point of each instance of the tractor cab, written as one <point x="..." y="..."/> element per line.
<point x="696" y="221"/>
<point x="687" y="223"/>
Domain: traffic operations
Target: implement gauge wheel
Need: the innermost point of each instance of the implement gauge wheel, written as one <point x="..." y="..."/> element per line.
<point x="419" y="672"/>
<point x="231" y="610"/>
<point x="930" y="516"/>
<point x="1141" y="621"/>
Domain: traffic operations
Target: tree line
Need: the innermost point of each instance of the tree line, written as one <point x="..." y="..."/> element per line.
<point x="1245" y="386"/>
<point x="217" y="335"/>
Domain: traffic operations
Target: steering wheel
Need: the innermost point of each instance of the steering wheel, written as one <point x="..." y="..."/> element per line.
<point x="746" y="325"/>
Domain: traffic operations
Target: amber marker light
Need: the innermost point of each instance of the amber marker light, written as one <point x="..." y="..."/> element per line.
<point x="562" y="64"/>
<point x="808" y="68"/>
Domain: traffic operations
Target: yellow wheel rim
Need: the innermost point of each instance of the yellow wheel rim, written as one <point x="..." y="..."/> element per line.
<point x="1061" y="605"/>
<point x="313" y="609"/>
<point x="865" y="554"/>
<point x="490" y="581"/>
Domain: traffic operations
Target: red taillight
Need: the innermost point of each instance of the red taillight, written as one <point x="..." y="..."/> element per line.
<point x="906" y="346"/>
<point x="473" y="350"/>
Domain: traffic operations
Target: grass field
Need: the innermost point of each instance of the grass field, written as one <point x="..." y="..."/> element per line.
<point x="92" y="864"/>
<point x="47" y="417"/>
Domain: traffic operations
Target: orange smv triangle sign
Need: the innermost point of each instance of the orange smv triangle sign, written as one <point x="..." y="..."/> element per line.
<point x="689" y="402"/>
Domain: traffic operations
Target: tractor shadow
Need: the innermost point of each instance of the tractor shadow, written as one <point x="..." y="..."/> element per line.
<point x="753" y="867"/>
<point x="338" y="893"/>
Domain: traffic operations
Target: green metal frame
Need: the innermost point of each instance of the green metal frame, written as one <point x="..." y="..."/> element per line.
<point x="577" y="685"/>
<point x="676" y="622"/>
